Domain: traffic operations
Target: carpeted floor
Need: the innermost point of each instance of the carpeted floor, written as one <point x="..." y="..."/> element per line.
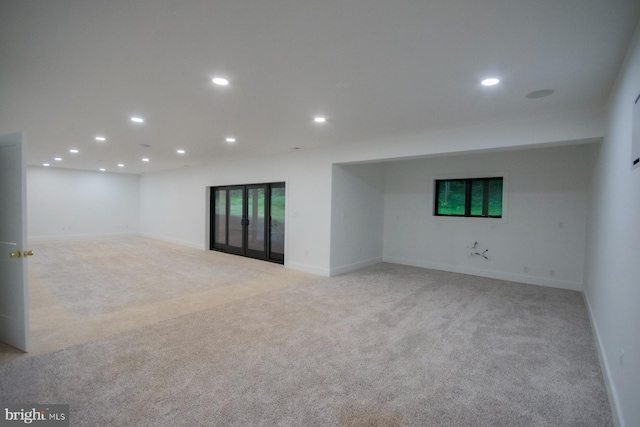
<point x="388" y="345"/>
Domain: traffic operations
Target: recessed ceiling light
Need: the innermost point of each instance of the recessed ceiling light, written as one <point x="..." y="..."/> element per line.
<point x="137" y="119"/>
<point x="144" y="159"/>
<point x="319" y="119"/>
<point x="45" y="164"/>
<point x="539" y="93"/>
<point x="490" y="81"/>
<point x="220" y="81"/>
<point x="180" y="151"/>
<point x="230" y="139"/>
<point x="74" y="151"/>
<point x="102" y="169"/>
<point x="57" y="159"/>
<point x="120" y="165"/>
<point x="100" y="138"/>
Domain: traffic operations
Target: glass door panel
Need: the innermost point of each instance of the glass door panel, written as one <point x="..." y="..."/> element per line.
<point x="276" y="210"/>
<point x="256" y="209"/>
<point x="235" y="223"/>
<point x="220" y="220"/>
<point x="248" y="220"/>
<point x="255" y="215"/>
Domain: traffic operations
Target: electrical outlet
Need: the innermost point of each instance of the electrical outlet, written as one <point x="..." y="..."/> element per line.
<point x="552" y="272"/>
<point x="525" y="269"/>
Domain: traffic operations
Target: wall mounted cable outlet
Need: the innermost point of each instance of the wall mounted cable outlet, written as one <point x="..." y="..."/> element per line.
<point x="622" y="357"/>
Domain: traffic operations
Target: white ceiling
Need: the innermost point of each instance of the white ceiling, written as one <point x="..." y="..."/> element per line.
<point x="73" y="69"/>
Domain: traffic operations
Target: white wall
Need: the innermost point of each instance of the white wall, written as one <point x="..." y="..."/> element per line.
<point x="542" y="231"/>
<point x="173" y="205"/>
<point x="357" y="210"/>
<point x="65" y="203"/>
<point x="612" y="279"/>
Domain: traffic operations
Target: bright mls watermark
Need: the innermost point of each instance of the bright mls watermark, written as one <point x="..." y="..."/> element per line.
<point x="36" y="415"/>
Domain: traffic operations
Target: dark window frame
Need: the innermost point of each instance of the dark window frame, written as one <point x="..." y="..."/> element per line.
<point x="468" y="199"/>
<point x="243" y="250"/>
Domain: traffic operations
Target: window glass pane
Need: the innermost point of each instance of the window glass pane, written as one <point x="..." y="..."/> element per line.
<point x="495" y="197"/>
<point x="477" y="195"/>
<point x="451" y="197"/>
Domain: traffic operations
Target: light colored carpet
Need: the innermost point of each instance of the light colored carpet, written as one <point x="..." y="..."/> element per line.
<point x="388" y="345"/>
<point x="186" y="280"/>
<point x="130" y="271"/>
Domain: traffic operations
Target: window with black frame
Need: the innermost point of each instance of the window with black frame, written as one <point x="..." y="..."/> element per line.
<point x="469" y="197"/>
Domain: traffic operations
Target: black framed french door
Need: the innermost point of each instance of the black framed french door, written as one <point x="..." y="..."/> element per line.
<point x="248" y="220"/>
<point x="276" y="205"/>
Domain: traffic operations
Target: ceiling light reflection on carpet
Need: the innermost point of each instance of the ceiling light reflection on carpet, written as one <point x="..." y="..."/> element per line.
<point x="492" y="81"/>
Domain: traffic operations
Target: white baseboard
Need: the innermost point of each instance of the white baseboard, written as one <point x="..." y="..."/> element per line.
<point x="307" y="268"/>
<point x="614" y="402"/>
<point x="530" y="280"/>
<point x="176" y="241"/>
<point x="353" y="267"/>
<point x="70" y="237"/>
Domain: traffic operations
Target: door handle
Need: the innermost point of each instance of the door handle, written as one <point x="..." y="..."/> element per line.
<point x="18" y="254"/>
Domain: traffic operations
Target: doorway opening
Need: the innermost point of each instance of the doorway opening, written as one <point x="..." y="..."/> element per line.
<point x="248" y="220"/>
